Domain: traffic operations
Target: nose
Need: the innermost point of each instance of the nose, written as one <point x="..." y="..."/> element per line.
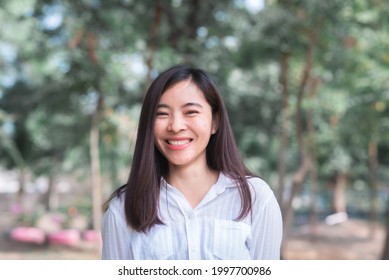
<point x="176" y="124"/>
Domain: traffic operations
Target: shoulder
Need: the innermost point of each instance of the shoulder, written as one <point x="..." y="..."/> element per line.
<point x="260" y="189"/>
<point x="258" y="183"/>
<point x="116" y="206"/>
<point x="114" y="216"/>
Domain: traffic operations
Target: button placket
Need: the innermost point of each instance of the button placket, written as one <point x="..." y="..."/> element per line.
<point x="193" y="235"/>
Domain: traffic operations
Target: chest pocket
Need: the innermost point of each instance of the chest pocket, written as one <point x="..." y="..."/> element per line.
<point x="231" y="240"/>
<point x="155" y="245"/>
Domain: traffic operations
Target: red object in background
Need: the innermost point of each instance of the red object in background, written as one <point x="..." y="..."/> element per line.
<point x="91" y="236"/>
<point x="28" y="235"/>
<point x="65" y="237"/>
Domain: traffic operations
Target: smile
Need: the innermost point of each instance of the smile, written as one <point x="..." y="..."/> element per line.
<point x="178" y="142"/>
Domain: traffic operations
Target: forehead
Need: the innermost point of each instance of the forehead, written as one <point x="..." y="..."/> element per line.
<point x="183" y="91"/>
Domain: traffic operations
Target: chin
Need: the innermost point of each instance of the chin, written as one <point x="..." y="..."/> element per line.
<point x="178" y="162"/>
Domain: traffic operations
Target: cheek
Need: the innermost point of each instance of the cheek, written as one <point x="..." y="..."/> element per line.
<point x="206" y="126"/>
<point x="157" y="137"/>
<point x="158" y="128"/>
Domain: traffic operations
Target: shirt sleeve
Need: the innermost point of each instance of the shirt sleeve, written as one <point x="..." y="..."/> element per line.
<point x="115" y="236"/>
<point x="266" y="228"/>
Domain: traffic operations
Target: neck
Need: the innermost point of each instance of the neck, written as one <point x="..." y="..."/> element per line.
<point x="193" y="183"/>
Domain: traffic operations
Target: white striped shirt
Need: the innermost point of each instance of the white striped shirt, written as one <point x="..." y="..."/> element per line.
<point x="208" y="231"/>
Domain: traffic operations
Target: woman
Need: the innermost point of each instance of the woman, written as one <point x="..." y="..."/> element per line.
<point x="189" y="196"/>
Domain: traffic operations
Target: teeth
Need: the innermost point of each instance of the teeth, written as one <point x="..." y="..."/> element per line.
<point x="179" y="142"/>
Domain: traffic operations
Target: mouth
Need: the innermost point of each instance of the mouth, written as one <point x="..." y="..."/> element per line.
<point x="180" y="142"/>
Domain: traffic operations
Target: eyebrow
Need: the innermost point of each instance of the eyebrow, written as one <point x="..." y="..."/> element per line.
<point x="189" y="104"/>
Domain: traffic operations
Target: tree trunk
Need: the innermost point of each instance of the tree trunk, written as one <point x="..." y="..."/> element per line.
<point x="284" y="126"/>
<point x="373" y="164"/>
<point x="20" y="196"/>
<point x="191" y="27"/>
<point x="313" y="216"/>
<point x="297" y="181"/>
<point x="13" y="151"/>
<point x="95" y="165"/>
<point x="305" y="161"/>
<point x="50" y="199"/>
<point x="153" y="40"/>
<point x="339" y="193"/>
<point x="96" y="180"/>
<point x="385" y="253"/>
<point x="312" y="148"/>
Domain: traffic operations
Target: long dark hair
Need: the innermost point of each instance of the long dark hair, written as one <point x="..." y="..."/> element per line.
<point x="149" y="165"/>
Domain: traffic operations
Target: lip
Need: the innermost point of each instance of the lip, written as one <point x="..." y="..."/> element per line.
<point x="177" y="144"/>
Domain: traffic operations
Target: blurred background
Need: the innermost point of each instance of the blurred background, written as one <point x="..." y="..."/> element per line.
<point x="306" y="84"/>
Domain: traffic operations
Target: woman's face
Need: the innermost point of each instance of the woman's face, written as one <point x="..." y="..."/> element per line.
<point x="183" y="125"/>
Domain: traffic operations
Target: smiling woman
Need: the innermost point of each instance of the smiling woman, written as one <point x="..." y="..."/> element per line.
<point x="184" y="125"/>
<point x="189" y="195"/>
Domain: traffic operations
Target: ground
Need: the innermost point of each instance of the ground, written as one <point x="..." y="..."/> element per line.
<point x="351" y="240"/>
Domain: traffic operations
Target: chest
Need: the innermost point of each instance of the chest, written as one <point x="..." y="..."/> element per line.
<point x="194" y="239"/>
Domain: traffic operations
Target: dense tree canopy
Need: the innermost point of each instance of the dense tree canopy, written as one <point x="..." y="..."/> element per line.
<point x="305" y="82"/>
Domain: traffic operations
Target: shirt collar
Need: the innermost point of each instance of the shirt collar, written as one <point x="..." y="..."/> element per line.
<point x="223" y="182"/>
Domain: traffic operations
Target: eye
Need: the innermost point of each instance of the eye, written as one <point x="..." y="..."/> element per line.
<point x="192" y="112"/>
<point x="161" y="114"/>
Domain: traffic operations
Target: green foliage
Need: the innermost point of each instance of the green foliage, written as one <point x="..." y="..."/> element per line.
<point x="57" y="57"/>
